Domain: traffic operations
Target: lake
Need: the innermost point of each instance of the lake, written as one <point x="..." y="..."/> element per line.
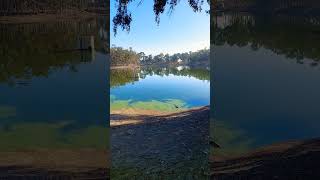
<point x="53" y="85"/>
<point x="158" y="129"/>
<point x="159" y="89"/>
<point x="267" y="90"/>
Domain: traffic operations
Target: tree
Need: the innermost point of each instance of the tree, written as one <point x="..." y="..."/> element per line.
<point x="123" y="17"/>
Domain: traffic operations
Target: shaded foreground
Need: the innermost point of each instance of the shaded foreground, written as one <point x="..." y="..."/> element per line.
<point x="55" y="164"/>
<point x="161" y="146"/>
<point x="285" y="161"/>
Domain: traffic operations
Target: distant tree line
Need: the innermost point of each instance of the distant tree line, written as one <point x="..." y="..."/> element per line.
<point x="263" y="6"/>
<point x="128" y="57"/>
<point x="13" y="7"/>
<point x="193" y="59"/>
<point x="124" y="57"/>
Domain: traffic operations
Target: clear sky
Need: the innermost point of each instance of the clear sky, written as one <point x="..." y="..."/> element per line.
<point x="182" y="31"/>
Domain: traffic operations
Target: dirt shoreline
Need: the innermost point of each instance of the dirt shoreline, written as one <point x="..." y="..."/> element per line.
<point x="55" y="163"/>
<point x="174" y="145"/>
<point x="288" y="160"/>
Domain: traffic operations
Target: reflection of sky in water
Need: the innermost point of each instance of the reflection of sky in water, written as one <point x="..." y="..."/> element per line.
<point x="269" y="97"/>
<point x="62" y="95"/>
<point x="188" y="89"/>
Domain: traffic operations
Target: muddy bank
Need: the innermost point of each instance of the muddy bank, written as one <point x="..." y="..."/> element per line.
<point x="169" y="146"/>
<point x="55" y="163"/>
<point x="285" y="161"/>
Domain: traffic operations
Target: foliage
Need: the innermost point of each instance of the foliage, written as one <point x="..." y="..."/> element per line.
<point x="11" y="7"/>
<point x="123" y="16"/>
<point x="123" y="57"/>
<point x="198" y="58"/>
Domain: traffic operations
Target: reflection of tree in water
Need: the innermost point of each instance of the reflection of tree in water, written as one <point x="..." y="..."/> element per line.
<point x="120" y="77"/>
<point x="29" y="50"/>
<point x="293" y="36"/>
<point x="201" y="74"/>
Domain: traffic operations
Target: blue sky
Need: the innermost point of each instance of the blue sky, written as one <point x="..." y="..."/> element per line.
<point x="182" y="31"/>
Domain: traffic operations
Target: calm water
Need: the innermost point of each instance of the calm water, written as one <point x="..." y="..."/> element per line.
<point x="267" y="90"/>
<point x="52" y="92"/>
<point x="160" y="89"/>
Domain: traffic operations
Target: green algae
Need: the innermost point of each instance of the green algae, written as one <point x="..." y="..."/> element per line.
<point x="167" y="105"/>
<point x="51" y="135"/>
<point x="7" y="112"/>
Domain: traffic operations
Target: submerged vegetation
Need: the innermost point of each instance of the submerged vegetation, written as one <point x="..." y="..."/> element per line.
<point x="169" y="105"/>
<point x="20" y="136"/>
<point x="232" y="141"/>
<point x="7" y="112"/>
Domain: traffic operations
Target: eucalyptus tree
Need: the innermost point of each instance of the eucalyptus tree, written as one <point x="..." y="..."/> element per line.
<point x="123" y="16"/>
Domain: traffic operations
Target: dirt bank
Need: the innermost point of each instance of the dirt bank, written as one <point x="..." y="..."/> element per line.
<point x="285" y="161"/>
<point x="166" y="145"/>
<point x="55" y="163"/>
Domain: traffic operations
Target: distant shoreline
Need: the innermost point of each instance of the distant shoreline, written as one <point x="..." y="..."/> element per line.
<point x="125" y="67"/>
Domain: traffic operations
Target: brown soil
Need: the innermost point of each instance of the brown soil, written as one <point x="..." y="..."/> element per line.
<point x="155" y="143"/>
<point x="285" y="161"/>
<point x="55" y="163"/>
<point x="137" y="116"/>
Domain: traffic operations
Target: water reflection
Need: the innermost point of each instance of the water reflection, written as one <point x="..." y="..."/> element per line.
<point x="147" y="87"/>
<point x="53" y="101"/>
<point x="121" y="77"/>
<point x="265" y="95"/>
<point x="159" y="122"/>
